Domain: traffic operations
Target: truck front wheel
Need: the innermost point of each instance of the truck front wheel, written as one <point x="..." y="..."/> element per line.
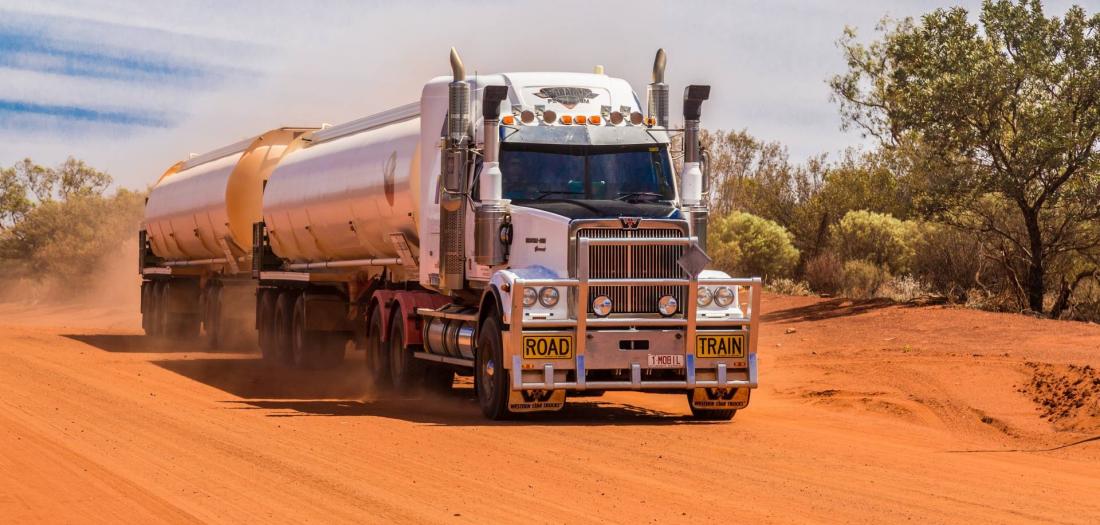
<point x="490" y="377"/>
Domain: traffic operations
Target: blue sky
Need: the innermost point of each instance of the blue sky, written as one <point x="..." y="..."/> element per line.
<point x="132" y="87"/>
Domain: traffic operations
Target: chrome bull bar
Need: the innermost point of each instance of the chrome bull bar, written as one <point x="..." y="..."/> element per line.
<point x="579" y="323"/>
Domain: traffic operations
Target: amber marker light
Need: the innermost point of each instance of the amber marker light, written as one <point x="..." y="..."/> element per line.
<point x="508" y="120"/>
<point x="566" y="119"/>
<point x="594" y="120"/>
<point x="581" y="120"/>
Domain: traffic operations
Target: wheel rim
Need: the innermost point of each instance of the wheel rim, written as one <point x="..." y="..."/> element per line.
<point x="486" y="372"/>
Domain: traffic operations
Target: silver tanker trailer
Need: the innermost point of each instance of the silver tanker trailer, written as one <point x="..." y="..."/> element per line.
<point x="525" y="228"/>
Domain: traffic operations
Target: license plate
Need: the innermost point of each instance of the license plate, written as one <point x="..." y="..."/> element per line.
<point x="719" y="345"/>
<point x="547" y="347"/>
<point x="666" y="361"/>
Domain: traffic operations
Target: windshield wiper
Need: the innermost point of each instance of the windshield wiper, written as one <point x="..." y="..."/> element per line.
<point x="546" y="193"/>
<point x="630" y="196"/>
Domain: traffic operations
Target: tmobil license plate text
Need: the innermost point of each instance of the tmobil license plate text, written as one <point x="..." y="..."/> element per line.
<point x="720" y="345"/>
<point x="547" y="347"/>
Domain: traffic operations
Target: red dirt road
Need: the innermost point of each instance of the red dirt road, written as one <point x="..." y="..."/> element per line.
<point x="868" y="413"/>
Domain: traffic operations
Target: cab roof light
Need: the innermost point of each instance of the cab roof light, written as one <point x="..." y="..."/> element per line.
<point x="549" y="116"/>
<point x="616" y="118"/>
<point x="581" y="120"/>
<point x="566" y="119"/>
<point x="594" y="120"/>
<point x="527" y="117"/>
<point x="508" y="120"/>
<point x="636" y="118"/>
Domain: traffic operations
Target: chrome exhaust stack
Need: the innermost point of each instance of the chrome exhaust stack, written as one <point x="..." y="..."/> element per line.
<point x="657" y="92"/>
<point x="452" y="201"/>
<point x="492" y="227"/>
<point x="691" y="178"/>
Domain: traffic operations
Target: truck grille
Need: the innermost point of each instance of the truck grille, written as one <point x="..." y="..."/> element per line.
<point x="634" y="262"/>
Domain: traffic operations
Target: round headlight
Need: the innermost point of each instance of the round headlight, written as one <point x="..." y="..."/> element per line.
<point x="667" y="305"/>
<point x="724" y="296"/>
<point x="548" y="296"/>
<point x="601" y="306"/>
<point x="705" y="296"/>
<point x="530" y="297"/>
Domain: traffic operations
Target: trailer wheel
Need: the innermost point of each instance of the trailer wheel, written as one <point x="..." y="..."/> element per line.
<point x="212" y="311"/>
<point x="706" y="414"/>
<point x="160" y="323"/>
<point x="490" y="376"/>
<point x="148" y="307"/>
<point x="314" y="349"/>
<point x="406" y="371"/>
<point x="284" y="318"/>
<point x="267" y="335"/>
<point x="179" y="325"/>
<point x="378" y="360"/>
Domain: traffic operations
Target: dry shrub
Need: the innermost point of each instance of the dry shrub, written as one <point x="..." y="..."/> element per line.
<point x="825" y="273"/>
<point x="903" y="289"/>
<point x="862" y="279"/>
<point x="786" y="286"/>
<point x="947" y="259"/>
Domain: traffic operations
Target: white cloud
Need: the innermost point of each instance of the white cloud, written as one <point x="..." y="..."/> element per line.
<point x="306" y="63"/>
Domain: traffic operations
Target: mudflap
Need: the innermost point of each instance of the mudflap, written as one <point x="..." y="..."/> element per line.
<point x="720" y="398"/>
<point x="536" y="400"/>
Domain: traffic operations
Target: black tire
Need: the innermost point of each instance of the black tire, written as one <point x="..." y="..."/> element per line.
<point x="406" y="371"/>
<point x="707" y="414"/>
<point x="303" y="345"/>
<point x="267" y="335"/>
<point x="178" y="325"/>
<point x="161" y="326"/>
<point x="212" y="321"/>
<point x="284" y="319"/>
<point x="490" y="376"/>
<point x="378" y="359"/>
<point x="148" y="307"/>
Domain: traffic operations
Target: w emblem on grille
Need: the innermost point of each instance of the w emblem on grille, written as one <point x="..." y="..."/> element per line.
<point x="630" y="222"/>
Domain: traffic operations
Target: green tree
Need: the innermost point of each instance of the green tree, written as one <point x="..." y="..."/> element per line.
<point x="1007" y="106"/>
<point x="744" y="244"/>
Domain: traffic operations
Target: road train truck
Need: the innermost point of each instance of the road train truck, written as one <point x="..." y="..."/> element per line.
<point x="527" y="229"/>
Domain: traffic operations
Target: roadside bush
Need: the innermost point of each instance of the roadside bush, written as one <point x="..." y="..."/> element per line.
<point x="877" y="238"/>
<point x="67" y="238"/>
<point x="825" y="273"/>
<point x="787" y="286"/>
<point x="946" y="258"/>
<point x="863" y="279"/>
<point x="903" y="289"/>
<point x="744" y="244"/>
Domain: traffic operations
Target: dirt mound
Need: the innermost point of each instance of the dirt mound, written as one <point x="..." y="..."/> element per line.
<point x="1068" y="395"/>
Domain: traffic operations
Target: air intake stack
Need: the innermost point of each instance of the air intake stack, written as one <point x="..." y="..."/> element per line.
<point x="657" y="92"/>
<point x="492" y="231"/>
<point x="691" y="178"/>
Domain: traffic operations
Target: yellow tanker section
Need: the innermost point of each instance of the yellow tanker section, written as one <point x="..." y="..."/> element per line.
<point x="202" y="209"/>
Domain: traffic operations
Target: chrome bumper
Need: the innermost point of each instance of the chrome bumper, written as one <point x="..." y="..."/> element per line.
<point x="552" y="374"/>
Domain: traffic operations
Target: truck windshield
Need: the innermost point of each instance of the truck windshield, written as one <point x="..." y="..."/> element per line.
<point x="627" y="173"/>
